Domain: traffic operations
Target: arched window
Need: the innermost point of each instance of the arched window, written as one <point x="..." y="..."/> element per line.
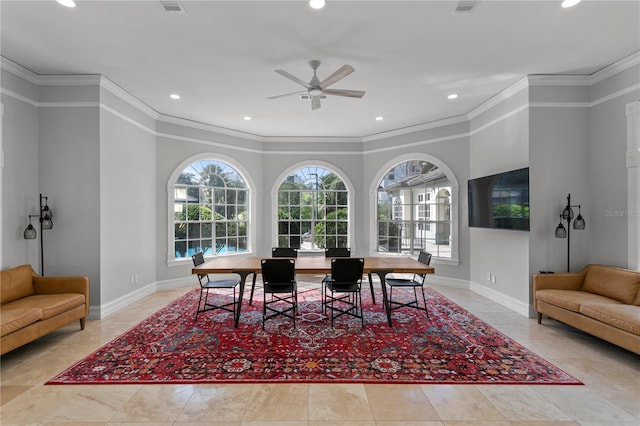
<point x="210" y="210"/>
<point x="313" y="210"/>
<point x="414" y="200"/>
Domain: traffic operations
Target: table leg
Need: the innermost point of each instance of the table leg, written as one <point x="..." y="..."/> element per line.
<point x="373" y="296"/>
<point x="382" y="273"/>
<point x="243" y="279"/>
<point x="253" y="287"/>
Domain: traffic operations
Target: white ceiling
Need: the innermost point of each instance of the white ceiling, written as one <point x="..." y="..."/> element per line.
<point x="220" y="56"/>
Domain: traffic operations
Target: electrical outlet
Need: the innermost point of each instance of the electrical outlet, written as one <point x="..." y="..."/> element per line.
<point x="136" y="278"/>
<point x="493" y="279"/>
<point x="489" y="276"/>
<point x="132" y="279"/>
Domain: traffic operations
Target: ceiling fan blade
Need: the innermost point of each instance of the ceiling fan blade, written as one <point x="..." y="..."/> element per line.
<point x="299" y="92"/>
<point x="340" y="92"/>
<point x="339" y="74"/>
<point x="293" y="78"/>
<point x="315" y="102"/>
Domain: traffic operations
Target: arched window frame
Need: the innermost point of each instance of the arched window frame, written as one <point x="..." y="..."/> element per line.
<point x="251" y="232"/>
<point x="455" y="202"/>
<point x="332" y="168"/>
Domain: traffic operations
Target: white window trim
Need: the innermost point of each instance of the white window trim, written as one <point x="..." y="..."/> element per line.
<point x="373" y="205"/>
<point x="251" y="234"/>
<point x="313" y="163"/>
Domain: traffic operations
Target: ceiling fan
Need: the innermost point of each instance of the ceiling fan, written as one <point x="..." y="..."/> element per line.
<point x="317" y="89"/>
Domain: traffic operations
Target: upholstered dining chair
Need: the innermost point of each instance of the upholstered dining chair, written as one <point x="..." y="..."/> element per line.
<point x="279" y="281"/>
<point x="417" y="281"/>
<point x="342" y="294"/>
<point x="207" y="284"/>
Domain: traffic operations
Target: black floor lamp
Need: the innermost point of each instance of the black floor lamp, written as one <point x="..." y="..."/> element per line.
<point x="45" y="223"/>
<point x="578" y="224"/>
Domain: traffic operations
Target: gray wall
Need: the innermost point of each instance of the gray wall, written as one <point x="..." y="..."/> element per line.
<point x="105" y="162"/>
<point x="127" y="201"/>
<point x="499" y="143"/>
<point x="607" y="173"/>
<point x="20" y="174"/>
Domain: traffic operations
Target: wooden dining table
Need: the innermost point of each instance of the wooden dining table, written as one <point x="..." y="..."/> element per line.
<point x="245" y="266"/>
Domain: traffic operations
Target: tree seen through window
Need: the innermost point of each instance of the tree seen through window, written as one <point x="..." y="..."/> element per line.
<point x="210" y="210"/>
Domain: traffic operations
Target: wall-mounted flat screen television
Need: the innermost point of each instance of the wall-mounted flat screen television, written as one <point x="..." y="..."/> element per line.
<point x="500" y="201"/>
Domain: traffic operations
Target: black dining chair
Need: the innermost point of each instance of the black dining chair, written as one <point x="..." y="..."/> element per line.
<point x="333" y="252"/>
<point x="342" y="294"/>
<point x="279" y="281"/>
<point x="417" y="281"/>
<point x="284" y="252"/>
<point x="207" y="284"/>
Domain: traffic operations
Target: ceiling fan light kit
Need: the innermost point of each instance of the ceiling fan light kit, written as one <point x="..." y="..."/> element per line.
<point x="317" y="89"/>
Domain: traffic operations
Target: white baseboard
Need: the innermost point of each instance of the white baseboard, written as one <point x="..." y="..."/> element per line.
<point x="501" y="298"/>
<point x="447" y="282"/>
<point x="106" y="309"/>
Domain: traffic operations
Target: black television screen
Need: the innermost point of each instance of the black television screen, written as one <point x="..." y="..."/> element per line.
<point x="500" y="201"/>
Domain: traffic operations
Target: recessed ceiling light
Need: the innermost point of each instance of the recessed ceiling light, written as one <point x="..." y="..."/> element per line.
<point x="570" y="3"/>
<point x="316" y="4"/>
<point x="247" y="118"/>
<point x="452" y="96"/>
<point x="379" y="118"/>
<point x="174" y="96"/>
<point x="67" y="3"/>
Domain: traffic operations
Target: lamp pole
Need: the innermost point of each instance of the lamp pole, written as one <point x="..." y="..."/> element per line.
<point x="44" y="217"/>
<point x="578" y="224"/>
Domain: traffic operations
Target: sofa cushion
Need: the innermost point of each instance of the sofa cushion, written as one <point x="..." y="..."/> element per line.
<point x="616" y="283"/>
<point x="624" y="317"/>
<point x="16" y="283"/>
<point x="13" y="318"/>
<point x="51" y="304"/>
<point x="571" y="299"/>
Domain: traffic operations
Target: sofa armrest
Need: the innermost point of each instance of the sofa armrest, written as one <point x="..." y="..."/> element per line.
<point x="568" y="281"/>
<point x="56" y="285"/>
<point x="558" y="281"/>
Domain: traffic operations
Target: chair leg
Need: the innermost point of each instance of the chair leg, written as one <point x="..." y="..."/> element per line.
<point x="200" y="302"/>
<point x="264" y="308"/>
<point x="361" y="310"/>
<point x="426" y="309"/>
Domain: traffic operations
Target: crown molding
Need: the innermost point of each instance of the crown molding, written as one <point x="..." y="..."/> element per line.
<point x="615" y="68"/>
<point x="415" y="128"/>
<point x="311" y="139"/>
<point x="18" y="70"/>
<point x="522" y="84"/>
<point x="69" y="80"/>
<point x="208" y="127"/>
<point x="558" y="80"/>
<point x="118" y="91"/>
<point x="516" y="87"/>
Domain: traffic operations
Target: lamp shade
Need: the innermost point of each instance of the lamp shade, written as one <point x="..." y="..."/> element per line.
<point x="567" y="213"/>
<point x="47" y="223"/>
<point x="30" y="232"/>
<point x="561" y="231"/>
<point x="579" y="223"/>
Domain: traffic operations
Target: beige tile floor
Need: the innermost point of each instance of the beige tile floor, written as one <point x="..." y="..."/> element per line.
<point x="611" y="395"/>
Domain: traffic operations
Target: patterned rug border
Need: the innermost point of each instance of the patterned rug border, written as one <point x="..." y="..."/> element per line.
<point x="59" y="378"/>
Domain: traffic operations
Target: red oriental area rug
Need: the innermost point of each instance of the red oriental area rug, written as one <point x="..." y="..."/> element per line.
<point x="451" y="346"/>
